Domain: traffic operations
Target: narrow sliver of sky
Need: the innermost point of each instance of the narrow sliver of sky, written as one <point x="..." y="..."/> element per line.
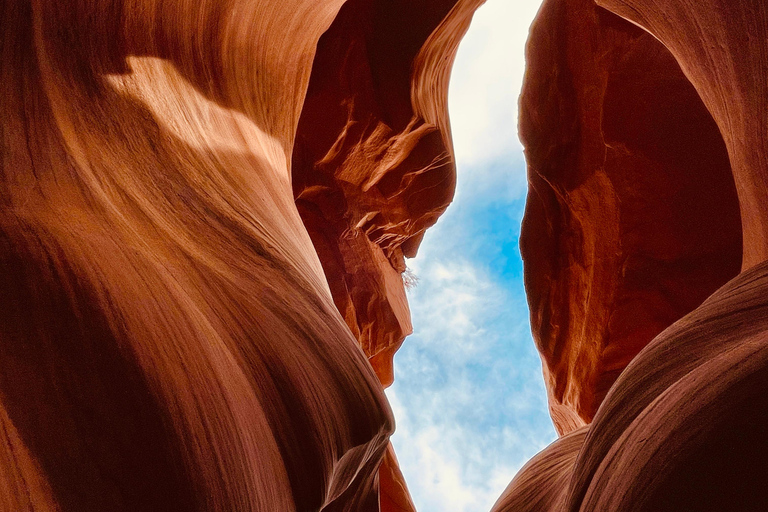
<point x="469" y="397"/>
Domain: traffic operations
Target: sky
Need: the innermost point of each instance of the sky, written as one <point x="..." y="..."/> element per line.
<point x="469" y="397"/>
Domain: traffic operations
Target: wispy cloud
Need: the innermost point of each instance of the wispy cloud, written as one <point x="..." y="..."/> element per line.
<point x="468" y="396"/>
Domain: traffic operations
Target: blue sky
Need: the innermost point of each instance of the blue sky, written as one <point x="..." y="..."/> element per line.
<point x="469" y="396"/>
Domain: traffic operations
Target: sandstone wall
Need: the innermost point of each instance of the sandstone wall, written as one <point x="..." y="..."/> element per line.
<point x="647" y="181"/>
<point x="206" y="208"/>
<point x="632" y="217"/>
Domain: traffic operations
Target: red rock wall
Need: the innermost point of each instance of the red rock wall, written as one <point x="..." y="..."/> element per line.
<point x="373" y="161"/>
<point x="373" y="166"/>
<point x="720" y="44"/>
<point x="542" y="484"/>
<point x="169" y="337"/>
<point x="632" y="217"/>
<point x="683" y="427"/>
<point x="206" y="208"/>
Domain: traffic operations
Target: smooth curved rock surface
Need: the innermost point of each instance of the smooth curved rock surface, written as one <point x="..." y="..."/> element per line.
<point x="542" y="484"/>
<point x="206" y="208"/>
<point x="169" y="339"/>
<point x="372" y="166"/>
<point x="683" y="427"/>
<point x="721" y="46"/>
<point x="632" y="217"/>
<point x="394" y="495"/>
<point x="685" y="424"/>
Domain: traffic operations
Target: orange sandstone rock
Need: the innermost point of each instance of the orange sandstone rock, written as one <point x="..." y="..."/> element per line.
<point x="191" y="193"/>
<point x="632" y="217"/>
<point x="683" y="427"/>
<point x="372" y="166"/>
<point x="542" y="484"/>
<point x="394" y="496"/>
<point x="721" y="47"/>
<point x="167" y="337"/>
<point x="373" y="160"/>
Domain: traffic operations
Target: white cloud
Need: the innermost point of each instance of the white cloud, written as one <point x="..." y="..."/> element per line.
<point x="503" y="179"/>
<point x="469" y="396"/>
<point x="441" y="453"/>
<point x="449" y="303"/>
<point x="486" y="81"/>
<point x="452" y="464"/>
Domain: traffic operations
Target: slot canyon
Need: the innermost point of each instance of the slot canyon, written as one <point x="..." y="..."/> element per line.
<point x="207" y="208"/>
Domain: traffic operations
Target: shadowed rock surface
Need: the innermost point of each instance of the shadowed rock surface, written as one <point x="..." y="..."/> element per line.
<point x="542" y="484"/>
<point x="206" y="208"/>
<point x="626" y="134"/>
<point x="683" y="427"/>
<point x="632" y="217"/>
<point x="372" y="162"/>
<point x="373" y="166"/>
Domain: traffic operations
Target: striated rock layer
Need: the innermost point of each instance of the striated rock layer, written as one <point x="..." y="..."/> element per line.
<point x="372" y="162"/>
<point x="542" y="484"/>
<point x="683" y="427"/>
<point x="169" y="338"/>
<point x="721" y="46"/>
<point x="373" y="168"/>
<point x="206" y="208"/>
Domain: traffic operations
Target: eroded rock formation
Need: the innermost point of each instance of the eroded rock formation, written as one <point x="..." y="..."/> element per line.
<point x="664" y="395"/>
<point x="542" y="484"/>
<point x="170" y="339"/>
<point x="632" y="217"/>
<point x="372" y="162"/>
<point x="683" y="427"/>
<point x="206" y="208"/>
<point x="373" y="166"/>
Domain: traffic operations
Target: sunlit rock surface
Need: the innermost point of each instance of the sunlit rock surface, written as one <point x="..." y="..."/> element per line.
<point x="170" y="338"/>
<point x="206" y="208"/>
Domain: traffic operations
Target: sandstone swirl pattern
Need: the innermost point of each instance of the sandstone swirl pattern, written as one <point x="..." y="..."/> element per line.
<point x="683" y="427"/>
<point x="169" y="340"/>
<point x="206" y="206"/>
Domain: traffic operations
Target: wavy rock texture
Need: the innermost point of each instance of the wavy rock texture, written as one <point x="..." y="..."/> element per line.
<point x="372" y="164"/>
<point x="685" y="424"/>
<point x="169" y="338"/>
<point x="632" y="217"/>
<point x="721" y="46"/>
<point x="683" y="427"/>
<point x="206" y="208"/>
<point x="542" y="484"/>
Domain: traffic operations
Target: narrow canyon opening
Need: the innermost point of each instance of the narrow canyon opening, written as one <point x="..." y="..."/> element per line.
<point x="631" y="221"/>
<point x="208" y="211"/>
